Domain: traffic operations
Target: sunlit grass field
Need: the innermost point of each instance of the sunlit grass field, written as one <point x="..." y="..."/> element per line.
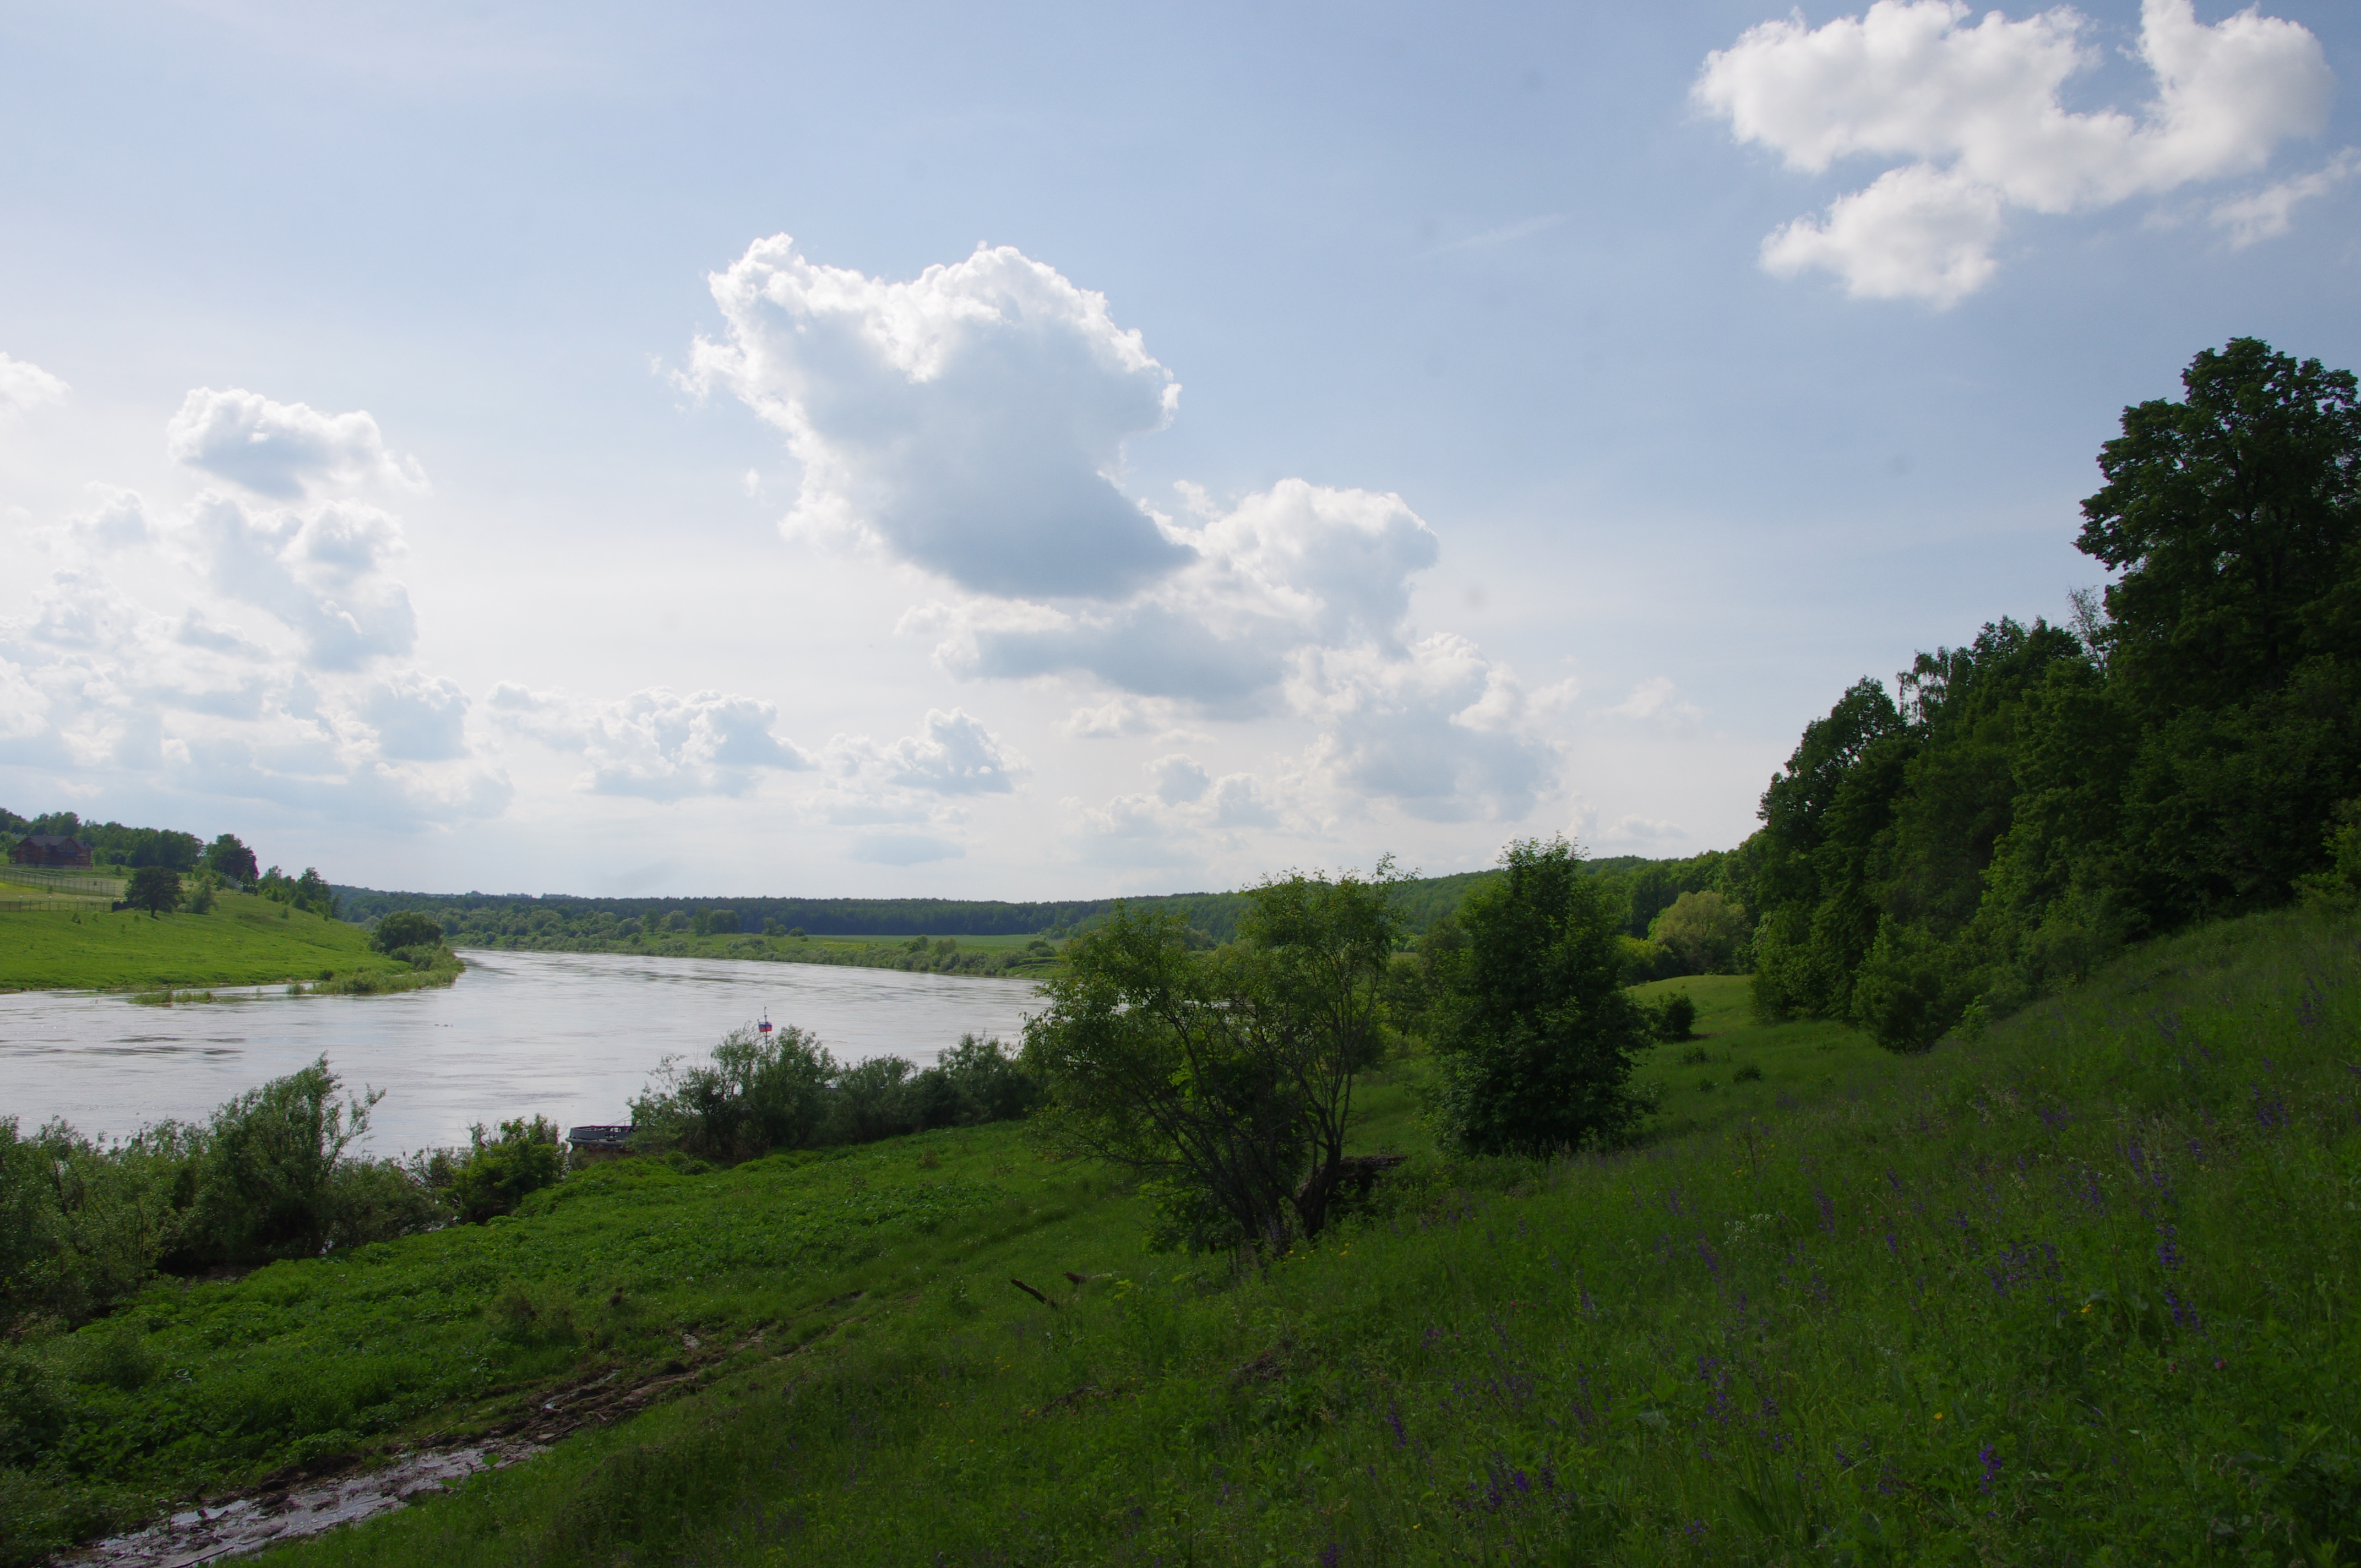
<point x="245" y="940"/>
<point x="2081" y="1291"/>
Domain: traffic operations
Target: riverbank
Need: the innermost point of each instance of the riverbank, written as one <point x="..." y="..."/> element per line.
<point x="2075" y="1286"/>
<point x="1009" y="958"/>
<point x="243" y="940"/>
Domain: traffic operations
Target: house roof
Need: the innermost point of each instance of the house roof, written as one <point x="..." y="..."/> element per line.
<point x="53" y="840"/>
<point x="607" y="1134"/>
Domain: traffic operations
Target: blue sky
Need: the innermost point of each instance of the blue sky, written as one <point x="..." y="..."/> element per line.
<point x="525" y="448"/>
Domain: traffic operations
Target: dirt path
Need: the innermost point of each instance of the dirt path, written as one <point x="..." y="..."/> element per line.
<point x="249" y="1524"/>
<point x="292" y="1505"/>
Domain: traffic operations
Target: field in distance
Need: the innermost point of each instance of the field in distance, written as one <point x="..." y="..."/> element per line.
<point x="244" y="940"/>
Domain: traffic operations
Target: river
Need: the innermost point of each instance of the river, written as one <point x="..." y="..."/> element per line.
<point x="567" y="1035"/>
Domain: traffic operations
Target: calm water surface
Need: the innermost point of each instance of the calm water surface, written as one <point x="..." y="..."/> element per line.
<point x="567" y="1035"/>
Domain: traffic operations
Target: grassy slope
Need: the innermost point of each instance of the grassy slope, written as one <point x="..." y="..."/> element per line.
<point x="247" y="940"/>
<point x="2076" y="1293"/>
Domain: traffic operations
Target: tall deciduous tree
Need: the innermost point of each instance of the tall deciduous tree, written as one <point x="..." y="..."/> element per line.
<point x="1537" y="1032"/>
<point x="2230" y="514"/>
<point x="232" y="860"/>
<point x="154" y="889"/>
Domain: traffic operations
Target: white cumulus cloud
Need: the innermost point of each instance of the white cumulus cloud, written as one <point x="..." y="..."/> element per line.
<point x="655" y="743"/>
<point x="970" y="420"/>
<point x="320" y="571"/>
<point x="418" y="717"/>
<point x="1294" y="566"/>
<point x="282" y="450"/>
<point x="25" y="386"/>
<point x="1444" y="732"/>
<point x="1180" y="780"/>
<point x="1975" y="116"/>
<point x="952" y="754"/>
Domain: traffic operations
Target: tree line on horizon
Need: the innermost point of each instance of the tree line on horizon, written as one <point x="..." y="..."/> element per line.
<point x="1641" y="892"/>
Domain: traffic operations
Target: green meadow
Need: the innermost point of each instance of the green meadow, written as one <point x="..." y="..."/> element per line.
<point x="2079" y="1290"/>
<point x="244" y="940"/>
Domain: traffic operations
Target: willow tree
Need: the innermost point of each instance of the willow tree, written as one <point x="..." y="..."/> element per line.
<point x="1224" y="1079"/>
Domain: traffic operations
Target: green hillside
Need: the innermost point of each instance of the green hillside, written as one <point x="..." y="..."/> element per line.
<point x="2078" y="1290"/>
<point x="244" y="940"/>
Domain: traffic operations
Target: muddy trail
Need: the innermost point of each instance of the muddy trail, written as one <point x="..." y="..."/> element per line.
<point x="307" y="1499"/>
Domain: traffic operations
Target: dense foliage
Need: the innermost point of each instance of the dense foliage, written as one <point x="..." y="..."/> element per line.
<point x="1223" y="1078"/>
<point x="1536" y="1032"/>
<point x="2022" y="806"/>
<point x="270" y="1175"/>
<point x="759" y="1092"/>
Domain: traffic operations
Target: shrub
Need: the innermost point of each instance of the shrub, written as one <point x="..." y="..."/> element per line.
<point x="1673" y="1017"/>
<point x="500" y="1172"/>
<point x="33" y="1409"/>
<point x="406" y="928"/>
<point x="870" y="1102"/>
<point x="756" y="1094"/>
<point x="116" y="1356"/>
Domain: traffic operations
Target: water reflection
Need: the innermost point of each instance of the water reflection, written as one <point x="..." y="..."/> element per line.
<point x="570" y="1035"/>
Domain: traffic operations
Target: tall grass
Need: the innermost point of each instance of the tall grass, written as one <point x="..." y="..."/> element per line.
<point x="2080" y="1291"/>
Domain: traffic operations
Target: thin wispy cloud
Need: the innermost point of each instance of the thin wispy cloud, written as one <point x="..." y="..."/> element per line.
<point x="1507" y="233"/>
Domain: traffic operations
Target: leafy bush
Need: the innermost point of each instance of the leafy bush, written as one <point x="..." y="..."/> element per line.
<point x="406" y="928"/>
<point x="499" y="1173"/>
<point x="83" y="1225"/>
<point x="1673" y="1017"/>
<point x="33" y="1409"/>
<point x="759" y="1094"/>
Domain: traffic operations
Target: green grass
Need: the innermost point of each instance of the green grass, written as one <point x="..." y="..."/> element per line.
<point x="57" y="887"/>
<point x="245" y="940"/>
<point x="2081" y="1291"/>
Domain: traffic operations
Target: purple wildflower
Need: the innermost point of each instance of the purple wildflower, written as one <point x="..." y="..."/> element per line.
<point x="1990" y="1458"/>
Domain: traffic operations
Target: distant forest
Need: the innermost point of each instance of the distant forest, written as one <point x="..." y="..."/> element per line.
<point x="483" y="919"/>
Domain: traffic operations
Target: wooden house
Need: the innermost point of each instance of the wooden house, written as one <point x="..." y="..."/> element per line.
<point x="50" y="849"/>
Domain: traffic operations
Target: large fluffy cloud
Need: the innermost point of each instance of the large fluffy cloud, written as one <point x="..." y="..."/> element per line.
<point x="1444" y="732"/>
<point x="223" y="651"/>
<point x="970" y="420"/>
<point x="1977" y="116"/>
<point x="1297" y="566"/>
<point x="282" y="450"/>
<point x="97" y="682"/>
<point x="320" y="571"/>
